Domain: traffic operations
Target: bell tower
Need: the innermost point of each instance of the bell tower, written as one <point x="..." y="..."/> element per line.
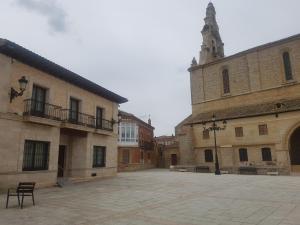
<point x="212" y="47"/>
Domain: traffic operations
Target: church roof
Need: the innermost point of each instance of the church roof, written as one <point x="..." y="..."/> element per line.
<point x="239" y="54"/>
<point x="30" y="58"/>
<point x="263" y="109"/>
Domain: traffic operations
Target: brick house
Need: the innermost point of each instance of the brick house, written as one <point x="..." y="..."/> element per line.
<point x="135" y="146"/>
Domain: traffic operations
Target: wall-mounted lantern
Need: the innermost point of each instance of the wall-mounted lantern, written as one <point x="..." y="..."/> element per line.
<point x="23" y="83"/>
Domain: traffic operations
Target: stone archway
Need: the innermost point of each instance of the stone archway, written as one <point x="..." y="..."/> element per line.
<point x="295" y="150"/>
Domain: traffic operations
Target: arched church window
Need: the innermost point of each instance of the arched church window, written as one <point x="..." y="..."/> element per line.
<point x="214" y="48"/>
<point x="287" y="66"/>
<point x="226" y="86"/>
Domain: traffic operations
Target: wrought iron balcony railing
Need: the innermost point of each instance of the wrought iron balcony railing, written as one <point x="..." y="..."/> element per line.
<point x="76" y="117"/>
<point x="147" y="145"/>
<point x="104" y="124"/>
<point x="41" y="109"/>
<point x="46" y="110"/>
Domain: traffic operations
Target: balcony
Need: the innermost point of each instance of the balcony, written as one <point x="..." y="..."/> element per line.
<point x="104" y="124"/>
<point x="68" y="115"/>
<point x="42" y="109"/>
<point x="146" y="145"/>
<point x="45" y="110"/>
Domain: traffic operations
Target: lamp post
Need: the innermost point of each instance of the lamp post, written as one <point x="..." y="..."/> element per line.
<point x="214" y="127"/>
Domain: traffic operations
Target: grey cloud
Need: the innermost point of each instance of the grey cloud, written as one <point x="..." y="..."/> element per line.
<point x="55" y="15"/>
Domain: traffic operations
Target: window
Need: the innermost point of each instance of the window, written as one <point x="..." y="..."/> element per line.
<point x="99" y="117"/>
<point x="148" y="156"/>
<point x="239" y="132"/>
<point x="263" y="129"/>
<point x="226" y="86"/>
<point x="214" y="48"/>
<point x="243" y="154"/>
<point x="74" y="109"/>
<point x="206" y="134"/>
<point x="266" y="154"/>
<point x="128" y="132"/>
<point x="287" y="66"/>
<point x="126" y="156"/>
<point x="38" y="100"/>
<point x="208" y="155"/>
<point x="36" y="154"/>
<point x="99" y="155"/>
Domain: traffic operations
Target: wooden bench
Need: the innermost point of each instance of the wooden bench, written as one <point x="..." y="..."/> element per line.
<point x="23" y="189"/>
<point x="248" y="170"/>
<point x="201" y="169"/>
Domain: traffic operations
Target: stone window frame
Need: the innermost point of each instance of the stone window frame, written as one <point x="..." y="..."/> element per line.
<point x="31" y="149"/>
<point x="263" y="129"/>
<point x="266" y="154"/>
<point x="239" y="132"/>
<point x="243" y="154"/>
<point x="96" y="152"/>
<point x="288" y="72"/>
<point x="103" y="114"/>
<point x="205" y="134"/>
<point x="37" y="84"/>
<point x="283" y="72"/>
<point x="208" y="155"/>
<point x="77" y="97"/>
<point x="221" y="78"/>
<point x="74" y="113"/>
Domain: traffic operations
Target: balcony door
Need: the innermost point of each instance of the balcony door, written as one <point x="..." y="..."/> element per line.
<point x="99" y="116"/>
<point x="38" y="101"/>
<point x="74" y="110"/>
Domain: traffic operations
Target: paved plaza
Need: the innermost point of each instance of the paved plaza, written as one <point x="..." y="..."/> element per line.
<point x="160" y="197"/>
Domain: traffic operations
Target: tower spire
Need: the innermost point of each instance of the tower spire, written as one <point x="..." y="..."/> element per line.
<point x="212" y="47"/>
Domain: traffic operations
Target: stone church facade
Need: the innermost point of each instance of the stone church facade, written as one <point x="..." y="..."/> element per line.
<point x="257" y="92"/>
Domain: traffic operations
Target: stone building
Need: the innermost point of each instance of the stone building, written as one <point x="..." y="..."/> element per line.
<point x="135" y="146"/>
<point x="167" y="151"/>
<point x="60" y="125"/>
<point x="257" y="92"/>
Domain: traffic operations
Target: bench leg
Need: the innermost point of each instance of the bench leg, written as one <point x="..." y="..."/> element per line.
<point x="7" y="198"/>
<point x="22" y="201"/>
<point x="33" y="199"/>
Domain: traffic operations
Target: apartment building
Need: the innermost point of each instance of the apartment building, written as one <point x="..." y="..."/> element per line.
<point x="53" y="122"/>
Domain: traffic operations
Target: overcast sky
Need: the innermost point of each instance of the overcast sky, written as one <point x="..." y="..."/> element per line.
<point x="141" y="49"/>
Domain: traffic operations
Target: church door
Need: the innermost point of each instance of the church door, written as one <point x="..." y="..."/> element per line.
<point x="295" y="150"/>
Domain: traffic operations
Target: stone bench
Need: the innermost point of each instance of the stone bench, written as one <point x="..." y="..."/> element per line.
<point x="201" y="169"/>
<point x="248" y="170"/>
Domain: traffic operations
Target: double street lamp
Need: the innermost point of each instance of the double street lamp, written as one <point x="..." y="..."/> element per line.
<point x="214" y="127"/>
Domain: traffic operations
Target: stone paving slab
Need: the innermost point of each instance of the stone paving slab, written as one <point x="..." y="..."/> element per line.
<point x="161" y="197"/>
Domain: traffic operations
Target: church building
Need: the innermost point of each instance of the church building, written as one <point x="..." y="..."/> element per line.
<point x="254" y="95"/>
